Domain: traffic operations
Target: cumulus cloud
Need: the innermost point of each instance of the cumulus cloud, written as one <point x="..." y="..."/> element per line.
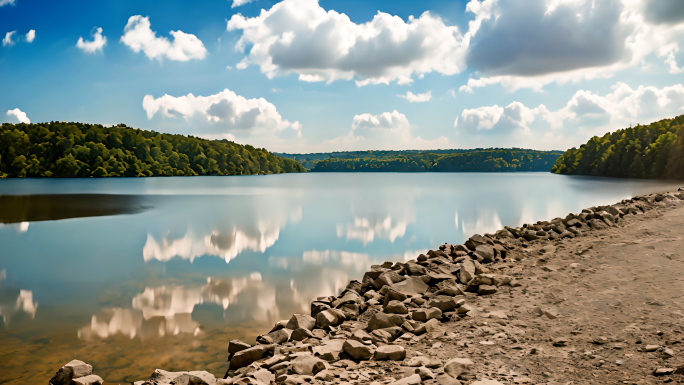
<point x="225" y="113"/>
<point x="239" y="3"/>
<point x="299" y="36"/>
<point x="92" y="46"/>
<point x="30" y="36"/>
<point x="416" y="98"/>
<point x="19" y="115"/>
<point x="585" y="114"/>
<point x="664" y="11"/>
<point x="8" y="38"/>
<point x="139" y="37"/>
<point x="386" y="131"/>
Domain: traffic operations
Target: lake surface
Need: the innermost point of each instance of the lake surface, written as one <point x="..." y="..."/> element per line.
<point x="136" y="274"/>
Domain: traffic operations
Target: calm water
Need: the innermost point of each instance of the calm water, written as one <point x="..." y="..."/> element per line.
<point x="189" y="263"/>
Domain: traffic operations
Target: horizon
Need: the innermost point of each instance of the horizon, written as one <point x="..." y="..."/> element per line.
<point x="545" y="75"/>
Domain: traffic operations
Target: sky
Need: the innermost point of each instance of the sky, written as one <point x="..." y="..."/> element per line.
<point x="334" y="75"/>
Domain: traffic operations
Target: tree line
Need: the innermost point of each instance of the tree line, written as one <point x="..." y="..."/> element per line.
<point x="651" y="151"/>
<point x="477" y="160"/>
<point x="60" y="149"/>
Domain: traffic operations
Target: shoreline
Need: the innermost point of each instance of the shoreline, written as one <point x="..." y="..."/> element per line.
<point x="371" y="331"/>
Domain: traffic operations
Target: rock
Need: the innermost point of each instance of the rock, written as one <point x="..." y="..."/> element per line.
<point x="486" y="382"/>
<point x="426" y="314"/>
<point x="560" y="341"/>
<point x="235" y="346"/>
<point x="410" y="380"/>
<point x="457" y="367"/>
<point x="411" y="286"/>
<point x="432" y="325"/>
<point x="301" y="334"/>
<point x="392" y="295"/>
<point x="164" y="377"/>
<point x="73" y="369"/>
<point x="486" y="290"/>
<point x="415" y="269"/>
<point x="276" y="337"/>
<point x="651" y="348"/>
<point x="89" y="380"/>
<point x="529" y="235"/>
<point x="390" y="353"/>
<point x="275" y="360"/>
<point x="357" y="350"/>
<point x="317" y="307"/>
<point x="356" y="286"/>
<point x="396" y="307"/>
<point x="425" y="373"/>
<point x="303" y="321"/>
<point x="263" y="375"/>
<point x="245" y="357"/>
<point x="363" y="337"/>
<point x="467" y="271"/>
<point x="663" y="371"/>
<point x="463" y="309"/>
<point x="330" y="350"/>
<point x="387" y="278"/>
<point x="383" y="320"/>
<point x="349" y="297"/>
<point x="443" y="303"/>
<point x="667" y="353"/>
<point x="328" y="318"/>
<point x="423" y="361"/>
<point x="486" y="251"/>
<point x="307" y="365"/>
<point x="476" y="240"/>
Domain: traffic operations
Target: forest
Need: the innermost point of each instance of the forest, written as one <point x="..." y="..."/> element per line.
<point x="60" y="149"/>
<point x="474" y="160"/>
<point x="651" y="151"/>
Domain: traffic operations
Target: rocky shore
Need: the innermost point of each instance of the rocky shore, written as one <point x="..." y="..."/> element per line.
<point x="594" y="297"/>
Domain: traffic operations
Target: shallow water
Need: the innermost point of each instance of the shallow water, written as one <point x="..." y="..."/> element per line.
<point x="162" y="272"/>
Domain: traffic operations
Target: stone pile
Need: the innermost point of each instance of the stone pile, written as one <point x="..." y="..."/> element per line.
<point x="365" y="334"/>
<point x="75" y="373"/>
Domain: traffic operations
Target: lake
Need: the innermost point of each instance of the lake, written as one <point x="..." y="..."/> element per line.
<point x="130" y="275"/>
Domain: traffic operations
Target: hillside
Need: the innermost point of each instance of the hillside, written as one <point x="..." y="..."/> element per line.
<point x="471" y="160"/>
<point x="652" y="151"/>
<point x="59" y="149"/>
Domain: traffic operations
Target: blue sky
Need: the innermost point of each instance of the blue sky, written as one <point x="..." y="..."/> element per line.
<point x="307" y="75"/>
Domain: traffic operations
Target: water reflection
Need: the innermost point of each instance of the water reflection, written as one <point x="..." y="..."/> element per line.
<point x="25" y="208"/>
<point x="15" y="301"/>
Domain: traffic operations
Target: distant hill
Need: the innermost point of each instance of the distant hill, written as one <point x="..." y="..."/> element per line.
<point x="652" y="151"/>
<point x="471" y="160"/>
<point x="59" y="149"/>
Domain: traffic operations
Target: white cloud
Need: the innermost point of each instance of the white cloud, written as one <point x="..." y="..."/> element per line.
<point x="586" y="114"/>
<point x="223" y="113"/>
<point x="416" y="98"/>
<point x="386" y="131"/>
<point x="19" y="115"/>
<point x="139" y="37"/>
<point x="8" y="38"/>
<point x="239" y="3"/>
<point x="299" y="36"/>
<point x="97" y="44"/>
<point x="30" y="35"/>
<point x="6" y="2"/>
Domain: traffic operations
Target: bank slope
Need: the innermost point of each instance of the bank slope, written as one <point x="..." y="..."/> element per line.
<point x="59" y="149"/>
<point x="652" y="151"/>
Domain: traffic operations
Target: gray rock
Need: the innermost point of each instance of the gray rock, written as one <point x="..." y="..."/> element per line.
<point x="89" y="380"/>
<point x="164" y="377"/>
<point x="317" y="307"/>
<point x="432" y="325"/>
<point x="396" y="307"/>
<point x="467" y="271"/>
<point x="349" y="297"/>
<point x="330" y="350"/>
<point x="73" y="369"/>
<point x="457" y="367"/>
<point x="425" y="373"/>
<point x="486" y="251"/>
<point x="245" y="357"/>
<point x="443" y="303"/>
<point x="426" y="361"/>
<point x="363" y="337"/>
<point x="426" y="314"/>
<point x="476" y="240"/>
<point x="387" y="278"/>
<point x="390" y="353"/>
<point x="79" y="368"/>
<point x="383" y="320"/>
<point x="301" y="334"/>
<point x="358" y="350"/>
<point x="277" y="337"/>
<point x="392" y="295"/>
<point x="486" y="289"/>
<point x="410" y="380"/>
<point x="414" y="285"/>
<point x="307" y="365"/>
<point x="235" y="346"/>
<point x="262" y="375"/>
<point x="303" y="321"/>
<point x="328" y="318"/>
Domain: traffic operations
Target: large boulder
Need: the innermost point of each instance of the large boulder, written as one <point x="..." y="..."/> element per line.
<point x="390" y="353"/>
<point x="304" y="321"/>
<point x="245" y="357"/>
<point x="358" y="350"/>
